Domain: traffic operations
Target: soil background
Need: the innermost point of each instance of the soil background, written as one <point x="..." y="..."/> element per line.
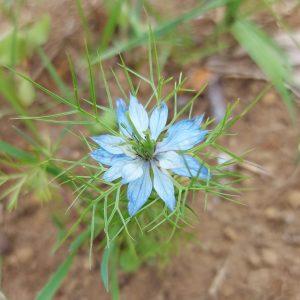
<point x="246" y="251"/>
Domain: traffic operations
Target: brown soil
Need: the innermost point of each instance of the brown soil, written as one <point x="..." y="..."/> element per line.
<point x="244" y="252"/>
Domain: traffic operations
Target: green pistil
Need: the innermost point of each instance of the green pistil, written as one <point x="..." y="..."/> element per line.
<point x="145" y="147"/>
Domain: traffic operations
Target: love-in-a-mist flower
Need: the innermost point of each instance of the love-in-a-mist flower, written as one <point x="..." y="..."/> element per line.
<point x="146" y="153"/>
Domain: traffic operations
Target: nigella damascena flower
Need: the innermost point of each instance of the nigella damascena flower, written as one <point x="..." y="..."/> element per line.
<point x="146" y="153"/>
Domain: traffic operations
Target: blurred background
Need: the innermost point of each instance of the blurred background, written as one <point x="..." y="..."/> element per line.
<point x="237" y="48"/>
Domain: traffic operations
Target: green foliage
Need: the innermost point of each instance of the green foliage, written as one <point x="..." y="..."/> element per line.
<point x="105" y="265"/>
<point x="103" y="222"/>
<point x="24" y="41"/>
<point x="56" y="279"/>
<point x="15" y="46"/>
<point x="159" y="31"/>
<point x="268" y="57"/>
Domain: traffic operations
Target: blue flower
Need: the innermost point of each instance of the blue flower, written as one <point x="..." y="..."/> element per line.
<point x="146" y="152"/>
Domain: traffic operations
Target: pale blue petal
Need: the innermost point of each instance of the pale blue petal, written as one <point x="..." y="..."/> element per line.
<point x="183" y="135"/>
<point x="115" y="171"/>
<point x="104" y="157"/>
<point x="192" y="168"/>
<point x="164" y="187"/>
<point x="139" y="190"/>
<point x="186" y="124"/>
<point x="138" y="116"/>
<point x="169" y="160"/>
<point x="123" y="122"/>
<point x="158" y="120"/>
<point x="110" y="143"/>
<point x="132" y="171"/>
<point x="181" y="140"/>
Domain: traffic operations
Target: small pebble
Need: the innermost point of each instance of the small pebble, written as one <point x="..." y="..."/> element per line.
<point x="273" y="214"/>
<point x="23" y="255"/>
<point x="230" y="233"/>
<point x="2" y="297"/>
<point x="284" y="216"/>
<point x="254" y="259"/>
<point x="270" y="98"/>
<point x="294" y="198"/>
<point x="269" y="257"/>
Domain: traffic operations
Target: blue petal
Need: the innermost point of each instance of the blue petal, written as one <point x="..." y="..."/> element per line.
<point x="132" y="171"/>
<point x="115" y="171"/>
<point x="104" y="157"/>
<point x="138" y="116"/>
<point x="186" y="124"/>
<point x="181" y="140"/>
<point x="183" y="135"/>
<point x="169" y="160"/>
<point x="158" y="120"/>
<point x="164" y="187"/>
<point x="139" y="190"/>
<point x="192" y="168"/>
<point x="123" y="122"/>
<point x="110" y="143"/>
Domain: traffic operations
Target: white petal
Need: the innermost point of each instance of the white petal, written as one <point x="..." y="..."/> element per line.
<point x="158" y="120"/>
<point x="138" y="116"/>
<point x="115" y="171"/>
<point x="132" y="171"/>
<point x="164" y="187"/>
<point x="169" y="160"/>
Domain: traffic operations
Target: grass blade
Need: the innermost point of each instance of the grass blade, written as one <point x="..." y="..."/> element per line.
<point x="56" y="280"/>
<point x="160" y="30"/>
<point x="15" y="152"/>
<point x="267" y="56"/>
<point x="104" y="266"/>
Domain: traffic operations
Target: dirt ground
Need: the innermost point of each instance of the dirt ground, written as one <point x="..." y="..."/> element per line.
<point x="244" y="252"/>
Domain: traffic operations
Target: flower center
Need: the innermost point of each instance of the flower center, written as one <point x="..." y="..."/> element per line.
<point x="144" y="148"/>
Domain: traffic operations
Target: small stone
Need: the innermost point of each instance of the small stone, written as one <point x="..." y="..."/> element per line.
<point x="230" y="233"/>
<point x="273" y="214"/>
<point x="254" y="259"/>
<point x="227" y="290"/>
<point x="270" y="98"/>
<point x="24" y="254"/>
<point x="269" y="257"/>
<point x="2" y="297"/>
<point x="294" y="198"/>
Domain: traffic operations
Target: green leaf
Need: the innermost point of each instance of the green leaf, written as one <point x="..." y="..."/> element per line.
<point x="25" y="91"/>
<point x="24" y="41"/>
<point x="110" y="26"/>
<point x="38" y="33"/>
<point x="104" y="266"/>
<point x="15" y="152"/>
<point x="56" y="280"/>
<point x="5" y="47"/>
<point x="267" y="55"/>
<point x="108" y="118"/>
<point x="129" y="261"/>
